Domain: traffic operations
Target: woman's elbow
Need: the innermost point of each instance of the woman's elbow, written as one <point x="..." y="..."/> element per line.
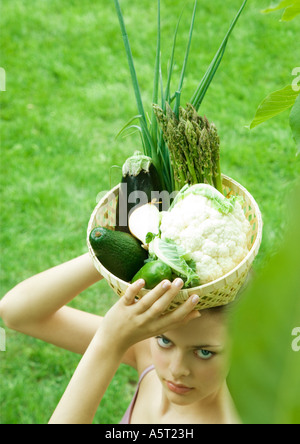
<point x="4" y="311"/>
<point x="8" y="314"/>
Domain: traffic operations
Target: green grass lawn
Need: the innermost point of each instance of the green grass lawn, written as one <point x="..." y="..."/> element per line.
<point x="68" y="93"/>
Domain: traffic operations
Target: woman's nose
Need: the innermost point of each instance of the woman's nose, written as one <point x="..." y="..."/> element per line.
<point x="179" y="367"/>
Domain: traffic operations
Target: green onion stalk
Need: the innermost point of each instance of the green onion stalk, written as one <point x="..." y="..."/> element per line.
<point x="184" y="147"/>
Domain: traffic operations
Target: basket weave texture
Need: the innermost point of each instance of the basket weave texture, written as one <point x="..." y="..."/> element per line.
<point x="216" y="293"/>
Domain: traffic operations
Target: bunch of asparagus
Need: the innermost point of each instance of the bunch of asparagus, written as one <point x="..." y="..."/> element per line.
<point x="194" y="146"/>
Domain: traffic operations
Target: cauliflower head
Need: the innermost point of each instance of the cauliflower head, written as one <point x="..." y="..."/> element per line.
<point x="216" y="239"/>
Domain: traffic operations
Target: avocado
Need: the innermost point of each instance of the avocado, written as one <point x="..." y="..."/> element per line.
<point x="120" y="253"/>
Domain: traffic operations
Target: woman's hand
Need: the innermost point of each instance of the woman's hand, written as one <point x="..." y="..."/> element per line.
<point x="129" y="321"/>
<point x="125" y="324"/>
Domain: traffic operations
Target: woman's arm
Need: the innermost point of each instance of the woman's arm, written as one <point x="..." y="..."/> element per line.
<point x="126" y="324"/>
<point x="37" y="306"/>
<point x="42" y="295"/>
<point x="88" y="384"/>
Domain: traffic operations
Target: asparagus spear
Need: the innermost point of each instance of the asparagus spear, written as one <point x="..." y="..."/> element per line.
<point x="194" y="146"/>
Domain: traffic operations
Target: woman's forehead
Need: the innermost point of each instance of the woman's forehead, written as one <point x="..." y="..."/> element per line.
<point x="209" y="329"/>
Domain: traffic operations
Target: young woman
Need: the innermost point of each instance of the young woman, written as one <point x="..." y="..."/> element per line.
<point x="181" y="357"/>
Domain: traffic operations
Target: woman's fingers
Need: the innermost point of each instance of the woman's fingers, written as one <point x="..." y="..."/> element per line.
<point x="181" y="315"/>
<point x="155" y="304"/>
<point x="132" y="291"/>
<point x="162" y="304"/>
<point x="157" y="300"/>
<point x="187" y="310"/>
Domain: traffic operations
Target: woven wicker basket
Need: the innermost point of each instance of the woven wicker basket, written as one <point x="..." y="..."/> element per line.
<point x="216" y="293"/>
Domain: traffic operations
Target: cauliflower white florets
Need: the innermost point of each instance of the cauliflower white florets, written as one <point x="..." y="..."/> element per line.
<point x="217" y="242"/>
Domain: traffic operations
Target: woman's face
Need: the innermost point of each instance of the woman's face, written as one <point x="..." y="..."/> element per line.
<point x="192" y="361"/>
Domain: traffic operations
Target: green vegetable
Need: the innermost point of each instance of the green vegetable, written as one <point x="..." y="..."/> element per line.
<point x="174" y="256"/>
<point x="194" y="146"/>
<point x="120" y="253"/>
<point x="153" y="273"/>
<point x="164" y="158"/>
<point x="219" y="201"/>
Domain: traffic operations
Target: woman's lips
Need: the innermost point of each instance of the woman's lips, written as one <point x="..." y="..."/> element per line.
<point x="178" y="388"/>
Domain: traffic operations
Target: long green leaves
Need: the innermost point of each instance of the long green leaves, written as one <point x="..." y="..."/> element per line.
<point x="212" y="69"/>
<point x="130" y="62"/>
<point x="149" y="139"/>
<point x="178" y="92"/>
<point x="153" y="142"/>
<point x="187" y="49"/>
<point x="135" y="83"/>
<point x="166" y="96"/>
<point x="157" y="72"/>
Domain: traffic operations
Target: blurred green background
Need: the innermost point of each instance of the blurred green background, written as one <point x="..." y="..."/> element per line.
<point x="68" y="93"/>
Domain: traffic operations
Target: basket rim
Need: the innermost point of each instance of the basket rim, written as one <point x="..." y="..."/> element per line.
<point x="217" y="283"/>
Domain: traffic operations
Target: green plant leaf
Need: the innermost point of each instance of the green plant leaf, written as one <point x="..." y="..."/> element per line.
<point x="265" y="363"/>
<point x="148" y="147"/>
<point x="274" y="104"/>
<point x="174" y="256"/>
<point x="295" y="122"/>
<point x="127" y="125"/>
<point x="281" y="5"/>
<point x="290" y="13"/>
<point x="292" y="8"/>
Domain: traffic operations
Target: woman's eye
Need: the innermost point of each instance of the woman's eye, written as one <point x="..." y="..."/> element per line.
<point x="163" y="342"/>
<point x="204" y="354"/>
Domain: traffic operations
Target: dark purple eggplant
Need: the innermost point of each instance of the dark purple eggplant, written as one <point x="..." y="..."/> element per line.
<point x="139" y="185"/>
